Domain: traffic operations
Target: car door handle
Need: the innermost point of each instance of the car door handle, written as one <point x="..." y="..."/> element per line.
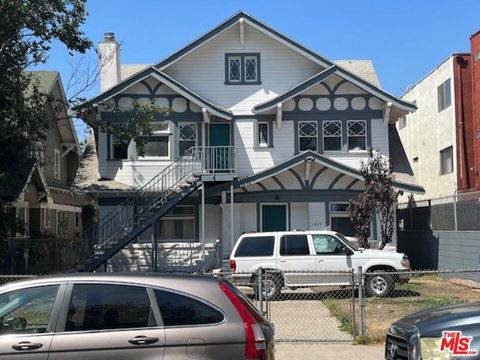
<point x="320" y="260"/>
<point x="26" y="345"/>
<point x="283" y="260"/>
<point x="143" y="340"/>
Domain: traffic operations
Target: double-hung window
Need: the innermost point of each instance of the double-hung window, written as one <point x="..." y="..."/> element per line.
<point x="178" y="225"/>
<point x="446" y="161"/>
<point x="157" y="144"/>
<point x="332" y="135"/>
<point x="357" y="135"/>
<point x="307" y="135"/>
<point x="242" y="69"/>
<point x="187" y="137"/>
<point x="119" y="149"/>
<point x="444" y="95"/>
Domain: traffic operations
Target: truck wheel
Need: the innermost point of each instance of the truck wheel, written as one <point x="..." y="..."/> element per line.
<point x="379" y="285"/>
<point x="271" y="287"/>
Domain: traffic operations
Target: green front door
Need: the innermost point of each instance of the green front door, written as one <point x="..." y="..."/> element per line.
<point x="274" y="217"/>
<point x="218" y="155"/>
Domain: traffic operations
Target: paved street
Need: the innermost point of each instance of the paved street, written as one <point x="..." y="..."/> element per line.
<point x="286" y="351"/>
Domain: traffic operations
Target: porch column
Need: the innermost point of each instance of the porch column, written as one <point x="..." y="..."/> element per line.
<point x="230" y="226"/>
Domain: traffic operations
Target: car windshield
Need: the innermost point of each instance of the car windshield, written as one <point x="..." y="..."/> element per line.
<point x="346" y="241"/>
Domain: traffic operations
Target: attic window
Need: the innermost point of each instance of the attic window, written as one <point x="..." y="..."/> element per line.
<point x="242" y="69"/>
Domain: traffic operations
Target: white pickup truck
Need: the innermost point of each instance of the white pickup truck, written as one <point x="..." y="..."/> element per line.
<point x="305" y="258"/>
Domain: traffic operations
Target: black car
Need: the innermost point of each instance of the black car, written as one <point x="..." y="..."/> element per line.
<point x="447" y="332"/>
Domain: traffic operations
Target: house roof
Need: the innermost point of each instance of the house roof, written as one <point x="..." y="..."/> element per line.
<point x="346" y="75"/>
<point x="87" y="177"/>
<point x="242" y="16"/>
<point x="363" y="68"/>
<point x="17" y="178"/>
<point x="167" y="80"/>
<point x="48" y="82"/>
<point x="325" y="161"/>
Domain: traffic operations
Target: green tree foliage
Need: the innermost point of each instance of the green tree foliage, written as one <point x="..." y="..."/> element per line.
<point x="27" y="29"/>
<point x="379" y="197"/>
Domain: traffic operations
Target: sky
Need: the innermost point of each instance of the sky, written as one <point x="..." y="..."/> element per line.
<point x="404" y="39"/>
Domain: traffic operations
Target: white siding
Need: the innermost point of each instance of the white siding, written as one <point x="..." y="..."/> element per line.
<point x="380" y="136"/>
<point x="248" y="218"/>
<point x="203" y="70"/>
<point x="316" y="216"/>
<point x="251" y="159"/>
<point x="299" y="216"/>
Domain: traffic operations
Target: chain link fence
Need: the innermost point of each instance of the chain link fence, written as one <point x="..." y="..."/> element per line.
<point x="353" y="306"/>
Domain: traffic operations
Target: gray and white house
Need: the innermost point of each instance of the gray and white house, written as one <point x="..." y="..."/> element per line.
<point x="265" y="134"/>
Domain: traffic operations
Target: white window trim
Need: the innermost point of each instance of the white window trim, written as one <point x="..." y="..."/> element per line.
<point x="248" y="57"/>
<point x="240" y="66"/>
<point x="180" y="140"/>
<point x="366" y="137"/>
<point x="257" y="135"/>
<point x="341" y="137"/>
<point x="57" y="168"/>
<point x="274" y="203"/>
<point x="112" y="143"/>
<point x="180" y="217"/>
<point x="337" y="203"/>
<point x="298" y="133"/>
<point x="163" y="133"/>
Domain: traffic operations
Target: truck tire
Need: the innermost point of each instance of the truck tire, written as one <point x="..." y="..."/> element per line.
<point x="379" y="284"/>
<point x="271" y="287"/>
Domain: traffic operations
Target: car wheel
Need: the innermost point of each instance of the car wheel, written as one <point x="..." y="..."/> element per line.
<point x="379" y="284"/>
<point x="271" y="287"/>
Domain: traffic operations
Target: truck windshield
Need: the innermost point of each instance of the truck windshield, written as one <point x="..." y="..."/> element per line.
<point x="352" y="245"/>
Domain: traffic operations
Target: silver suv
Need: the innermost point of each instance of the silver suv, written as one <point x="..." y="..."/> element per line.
<point x="130" y="316"/>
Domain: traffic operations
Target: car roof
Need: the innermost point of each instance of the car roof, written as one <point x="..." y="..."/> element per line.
<point x="291" y="232"/>
<point x="141" y="278"/>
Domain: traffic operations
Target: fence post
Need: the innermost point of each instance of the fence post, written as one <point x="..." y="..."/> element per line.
<point x="354" y="327"/>
<point x="361" y="300"/>
<point x="260" y="290"/>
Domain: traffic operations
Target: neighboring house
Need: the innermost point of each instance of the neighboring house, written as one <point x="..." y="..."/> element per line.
<point x="279" y="125"/>
<point x="40" y="190"/>
<point x="441" y="138"/>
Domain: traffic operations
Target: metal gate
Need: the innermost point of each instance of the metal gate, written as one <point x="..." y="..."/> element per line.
<point x="307" y="312"/>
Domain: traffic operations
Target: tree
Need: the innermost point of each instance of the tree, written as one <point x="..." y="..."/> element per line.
<point x="379" y="197"/>
<point x="27" y="30"/>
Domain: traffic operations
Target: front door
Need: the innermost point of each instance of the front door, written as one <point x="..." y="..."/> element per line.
<point x="218" y="155"/>
<point x="274" y="217"/>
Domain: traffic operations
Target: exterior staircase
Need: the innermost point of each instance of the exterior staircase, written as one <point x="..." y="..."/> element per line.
<point x="121" y="226"/>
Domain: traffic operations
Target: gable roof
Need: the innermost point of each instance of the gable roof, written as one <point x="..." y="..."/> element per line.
<point x="362" y="68"/>
<point x="48" y="82"/>
<point x="165" y="79"/>
<point x="346" y="75"/>
<point x="17" y="179"/>
<point x="241" y="15"/>
<point x="327" y="162"/>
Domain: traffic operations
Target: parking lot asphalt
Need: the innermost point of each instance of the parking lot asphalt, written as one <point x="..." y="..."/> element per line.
<point x="304" y="351"/>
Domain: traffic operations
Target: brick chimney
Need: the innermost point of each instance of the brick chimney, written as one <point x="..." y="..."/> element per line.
<point x="109" y="51"/>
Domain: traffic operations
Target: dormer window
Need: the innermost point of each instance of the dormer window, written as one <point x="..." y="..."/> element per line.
<point x="242" y="69"/>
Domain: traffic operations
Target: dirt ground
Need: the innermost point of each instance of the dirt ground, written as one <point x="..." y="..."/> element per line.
<point x="420" y="293"/>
